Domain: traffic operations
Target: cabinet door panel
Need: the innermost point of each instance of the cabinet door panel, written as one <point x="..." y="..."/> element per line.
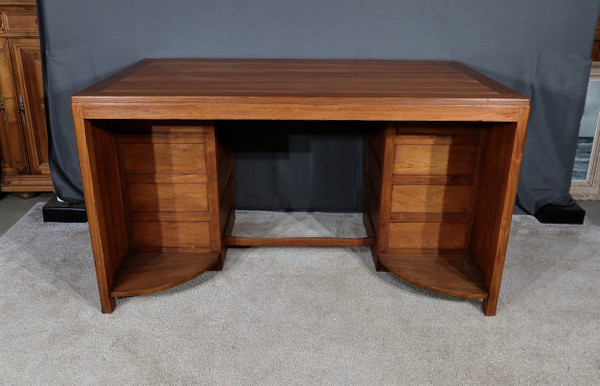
<point x="13" y="157"/>
<point x="27" y="69"/>
<point x="20" y="22"/>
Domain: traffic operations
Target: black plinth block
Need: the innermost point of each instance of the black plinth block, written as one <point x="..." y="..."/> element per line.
<point x="556" y="214"/>
<point x="55" y="211"/>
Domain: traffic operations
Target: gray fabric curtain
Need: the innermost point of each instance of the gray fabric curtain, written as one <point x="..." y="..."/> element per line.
<point x="541" y="48"/>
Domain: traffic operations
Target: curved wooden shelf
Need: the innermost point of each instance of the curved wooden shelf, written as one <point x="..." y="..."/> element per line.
<point x="450" y="274"/>
<point x="144" y="272"/>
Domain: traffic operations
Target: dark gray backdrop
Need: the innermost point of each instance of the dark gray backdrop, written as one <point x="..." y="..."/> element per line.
<point x="541" y="48"/>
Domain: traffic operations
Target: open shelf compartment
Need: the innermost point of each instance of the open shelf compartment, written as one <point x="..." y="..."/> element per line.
<point x="450" y="274"/>
<point x="144" y="273"/>
<point x="437" y="204"/>
<point x="438" y="200"/>
<point x="160" y="205"/>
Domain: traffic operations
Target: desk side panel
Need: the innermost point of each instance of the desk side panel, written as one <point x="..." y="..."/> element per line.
<point x="373" y="184"/>
<point x="104" y="202"/>
<point x="498" y="178"/>
<point x="224" y="165"/>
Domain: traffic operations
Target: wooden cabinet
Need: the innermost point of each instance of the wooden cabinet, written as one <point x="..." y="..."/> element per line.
<point x="23" y="135"/>
<point x="596" y="48"/>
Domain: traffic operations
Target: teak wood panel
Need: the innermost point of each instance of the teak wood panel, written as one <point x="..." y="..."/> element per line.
<point x="431" y="198"/>
<point x="425" y="236"/>
<point x="302" y="78"/>
<point x="216" y="203"/>
<point x="432" y="180"/>
<point x="221" y="89"/>
<point x="169" y="216"/>
<point x="167" y="197"/>
<point x="164" y="172"/>
<point x="419" y="217"/>
<point x="170" y="234"/>
<point x="450" y="274"/>
<point x="432" y="192"/>
<point x="164" y="158"/>
<point x="387" y="171"/>
<point x="144" y="273"/>
<point x="102" y="182"/>
<point x="437" y="160"/>
<point x="315" y="109"/>
<point x="224" y="189"/>
<point x="373" y="170"/>
<point x="499" y="175"/>
<point x="153" y="178"/>
<point x="373" y="185"/>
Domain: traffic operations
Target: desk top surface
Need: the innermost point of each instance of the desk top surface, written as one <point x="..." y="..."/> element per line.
<point x="213" y="89"/>
<point x="220" y="78"/>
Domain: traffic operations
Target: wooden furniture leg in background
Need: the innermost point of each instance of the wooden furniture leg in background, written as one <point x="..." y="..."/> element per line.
<point x="27" y="195"/>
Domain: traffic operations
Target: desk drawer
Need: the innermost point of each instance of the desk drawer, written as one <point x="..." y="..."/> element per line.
<point x="432" y="187"/>
<point x="430" y="151"/>
<point x="171" y="234"/>
<point x="425" y="159"/>
<point x="167" y="197"/>
<point x="428" y="236"/>
<point x="150" y="158"/>
<point x="431" y="198"/>
<point x="20" y="21"/>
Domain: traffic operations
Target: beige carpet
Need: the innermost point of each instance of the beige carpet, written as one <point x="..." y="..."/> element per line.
<point x="298" y="316"/>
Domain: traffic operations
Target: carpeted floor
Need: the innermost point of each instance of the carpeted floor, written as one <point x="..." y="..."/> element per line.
<point x="291" y="316"/>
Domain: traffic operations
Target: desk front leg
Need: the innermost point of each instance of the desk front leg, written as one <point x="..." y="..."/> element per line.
<point x="377" y="185"/>
<point x="221" y="190"/>
<point x="100" y="172"/>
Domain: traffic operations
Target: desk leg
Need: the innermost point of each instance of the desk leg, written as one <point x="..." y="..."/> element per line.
<point x="377" y="194"/>
<point x="499" y="175"/>
<point x="104" y="202"/>
<point x="221" y="190"/>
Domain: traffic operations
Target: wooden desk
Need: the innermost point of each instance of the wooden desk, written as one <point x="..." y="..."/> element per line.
<point x="440" y="178"/>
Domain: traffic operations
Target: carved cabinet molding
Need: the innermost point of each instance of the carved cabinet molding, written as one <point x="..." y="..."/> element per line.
<point x="23" y="134"/>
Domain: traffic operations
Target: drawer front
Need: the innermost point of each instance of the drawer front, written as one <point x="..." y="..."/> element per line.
<point x="170" y="234"/>
<point x="167" y="197"/>
<point x="428" y="236"/>
<point x="432" y="187"/>
<point x="20" y="21"/>
<point x="431" y="198"/>
<point x="163" y="158"/>
<point x="435" y="159"/>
